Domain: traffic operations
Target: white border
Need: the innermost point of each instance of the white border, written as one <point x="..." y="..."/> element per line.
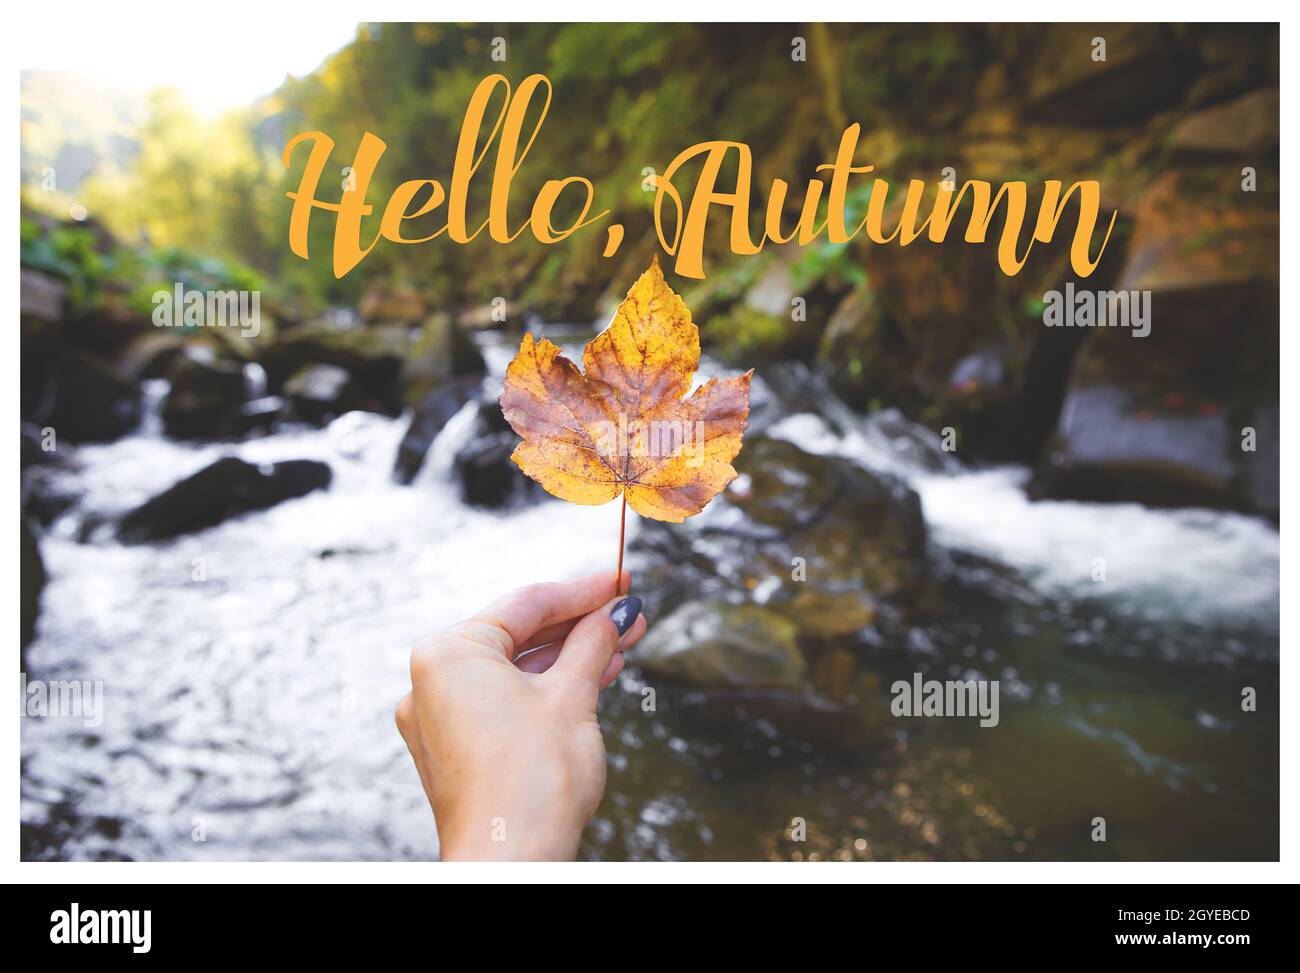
<point x="77" y="22"/>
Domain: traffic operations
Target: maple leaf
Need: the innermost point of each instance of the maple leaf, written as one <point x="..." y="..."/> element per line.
<point x="627" y="426"/>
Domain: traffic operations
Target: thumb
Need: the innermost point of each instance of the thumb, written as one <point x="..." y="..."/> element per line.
<point x="594" y="641"/>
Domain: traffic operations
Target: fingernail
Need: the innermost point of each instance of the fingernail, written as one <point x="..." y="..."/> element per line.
<point x="624" y="613"/>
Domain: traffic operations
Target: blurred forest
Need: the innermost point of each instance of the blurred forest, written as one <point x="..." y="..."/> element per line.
<point x="1167" y="122"/>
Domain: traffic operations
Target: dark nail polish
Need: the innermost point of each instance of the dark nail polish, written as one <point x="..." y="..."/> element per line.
<point x="624" y="613"/>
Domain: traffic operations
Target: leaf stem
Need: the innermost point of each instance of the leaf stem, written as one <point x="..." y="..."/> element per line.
<point x="622" y="519"/>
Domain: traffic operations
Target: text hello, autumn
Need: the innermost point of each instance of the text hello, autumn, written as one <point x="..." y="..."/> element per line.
<point x="681" y="218"/>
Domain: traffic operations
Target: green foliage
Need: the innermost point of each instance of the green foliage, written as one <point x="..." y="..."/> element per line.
<point x="745" y="334"/>
<point x="824" y="261"/>
<point x="88" y="261"/>
<point x="65" y="251"/>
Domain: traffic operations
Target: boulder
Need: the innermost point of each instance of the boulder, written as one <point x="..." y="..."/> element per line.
<point x="390" y="302"/>
<point x="1144" y="72"/>
<point x="1163" y="419"/>
<point x="1244" y="127"/>
<point x="261" y="414"/>
<point x="791" y="525"/>
<point x="1260" y="477"/>
<point x="486" y="475"/>
<point x="441" y="351"/>
<point x="318" y="393"/>
<point x="922" y="336"/>
<point x="111" y="323"/>
<point x="818" y="614"/>
<point x="711" y="644"/>
<point x="373" y="357"/>
<point x="1112" y="448"/>
<point x="227" y="488"/>
<point x="720" y="664"/>
<point x="32" y="579"/>
<point x="1198" y="235"/>
<point x="41" y="298"/>
<point x="1236" y="58"/>
<point x="853" y="332"/>
<point x="205" y="396"/>
<point x="430" y="415"/>
<point x="91" y="402"/>
<point x="152" y="355"/>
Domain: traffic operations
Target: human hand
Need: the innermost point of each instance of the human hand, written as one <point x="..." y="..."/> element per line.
<point x="501" y="717"/>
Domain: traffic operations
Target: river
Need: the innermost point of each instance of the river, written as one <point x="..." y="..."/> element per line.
<point x="250" y="673"/>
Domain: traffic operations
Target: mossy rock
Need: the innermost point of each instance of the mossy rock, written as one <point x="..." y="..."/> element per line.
<point x="716" y="645"/>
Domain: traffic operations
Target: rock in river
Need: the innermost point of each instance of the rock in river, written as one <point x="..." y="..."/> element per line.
<point x="720" y="663"/>
<point x="227" y="488"/>
<point x="91" y="401"/>
<point x="767" y="602"/>
<point x="33" y="583"/>
<point x="205" y="397"/>
<point x="431" y="414"/>
<point x="716" y="645"/>
<point x="1183" y="415"/>
<point x="318" y="393"/>
<point x="487" y="475"/>
<point x="794" y="523"/>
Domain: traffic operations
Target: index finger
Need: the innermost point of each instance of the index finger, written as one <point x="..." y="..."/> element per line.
<point x="525" y="611"/>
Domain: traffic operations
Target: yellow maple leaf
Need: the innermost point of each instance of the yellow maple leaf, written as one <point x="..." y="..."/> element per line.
<point x="627" y="426"/>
